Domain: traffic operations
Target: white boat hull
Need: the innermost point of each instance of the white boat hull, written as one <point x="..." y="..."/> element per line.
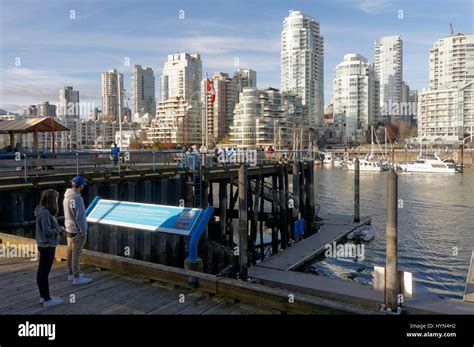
<point x="414" y="168"/>
<point x="429" y="165"/>
<point x="369" y="166"/>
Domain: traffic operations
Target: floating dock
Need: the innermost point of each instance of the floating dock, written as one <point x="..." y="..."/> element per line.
<point x="332" y="228"/>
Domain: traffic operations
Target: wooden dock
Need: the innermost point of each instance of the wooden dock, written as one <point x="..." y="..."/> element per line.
<point x="109" y="293"/>
<point x="469" y="292"/>
<point x="131" y="280"/>
<point x="333" y="228"/>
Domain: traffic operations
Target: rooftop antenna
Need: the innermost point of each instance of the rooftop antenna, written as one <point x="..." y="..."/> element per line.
<point x="451" y="29"/>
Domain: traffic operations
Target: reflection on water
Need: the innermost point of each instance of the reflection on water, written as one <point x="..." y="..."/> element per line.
<point x="436" y="221"/>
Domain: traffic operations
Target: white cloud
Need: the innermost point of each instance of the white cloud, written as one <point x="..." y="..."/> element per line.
<point x="26" y="86"/>
<point x="204" y="44"/>
<point x="372" y="6"/>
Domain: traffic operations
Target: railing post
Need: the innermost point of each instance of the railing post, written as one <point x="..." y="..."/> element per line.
<point x="356" y="191"/>
<point x="392" y="280"/>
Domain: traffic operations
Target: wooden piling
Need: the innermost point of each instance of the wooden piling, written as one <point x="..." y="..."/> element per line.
<point x="207" y="251"/>
<point x="356" y="191"/>
<point x="233" y="200"/>
<point x="283" y="205"/>
<point x="18" y="210"/>
<point x="310" y="188"/>
<point x="243" y="223"/>
<point x="262" y="212"/>
<point x="254" y="219"/>
<point x="222" y="210"/>
<point x="289" y="212"/>
<point x="302" y="198"/>
<point x="296" y="196"/>
<point x="392" y="280"/>
<point x="275" y="214"/>
<point x="189" y="192"/>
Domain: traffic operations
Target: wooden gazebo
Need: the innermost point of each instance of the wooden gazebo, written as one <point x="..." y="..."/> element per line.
<point x="30" y="125"/>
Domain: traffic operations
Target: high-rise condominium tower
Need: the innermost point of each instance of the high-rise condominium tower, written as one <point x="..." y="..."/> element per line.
<point x="302" y="64"/>
<point x="143" y="91"/>
<point x="388" y="63"/>
<point x="68" y="102"/>
<point x="452" y="60"/>
<point x="110" y="94"/>
<point x="181" y="76"/>
<point x="355" y="96"/>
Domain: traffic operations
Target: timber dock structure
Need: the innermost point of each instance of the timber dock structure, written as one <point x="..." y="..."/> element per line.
<point x="265" y="227"/>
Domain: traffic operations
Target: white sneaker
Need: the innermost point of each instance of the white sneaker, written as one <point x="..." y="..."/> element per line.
<point x="41" y="302"/>
<point x="70" y="277"/>
<point x="53" y="302"/>
<point x="82" y="280"/>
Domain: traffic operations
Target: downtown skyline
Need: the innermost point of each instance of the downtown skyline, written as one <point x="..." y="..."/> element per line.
<point x="56" y="51"/>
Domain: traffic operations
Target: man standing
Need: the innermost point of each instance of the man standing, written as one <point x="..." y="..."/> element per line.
<point x="115" y="154"/>
<point x="76" y="229"/>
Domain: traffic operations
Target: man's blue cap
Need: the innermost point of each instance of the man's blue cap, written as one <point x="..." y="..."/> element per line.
<point x="79" y="181"/>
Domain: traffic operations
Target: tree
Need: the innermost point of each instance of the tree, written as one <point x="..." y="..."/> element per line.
<point x="405" y="131"/>
<point x="156" y="146"/>
<point x="225" y="140"/>
<point x="134" y="144"/>
<point x="392" y="131"/>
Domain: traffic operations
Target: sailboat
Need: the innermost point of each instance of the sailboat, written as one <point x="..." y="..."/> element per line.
<point x="369" y="163"/>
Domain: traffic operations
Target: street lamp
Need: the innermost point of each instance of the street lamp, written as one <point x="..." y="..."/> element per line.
<point x="190" y="107"/>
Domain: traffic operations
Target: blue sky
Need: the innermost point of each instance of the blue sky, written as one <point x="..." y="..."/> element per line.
<point x="56" y="50"/>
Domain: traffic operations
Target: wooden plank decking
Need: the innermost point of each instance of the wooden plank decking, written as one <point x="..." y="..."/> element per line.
<point x="109" y="293"/>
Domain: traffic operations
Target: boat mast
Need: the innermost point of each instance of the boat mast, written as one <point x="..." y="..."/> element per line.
<point x="371" y="142"/>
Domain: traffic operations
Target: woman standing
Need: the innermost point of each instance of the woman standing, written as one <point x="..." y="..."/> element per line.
<point x="47" y="238"/>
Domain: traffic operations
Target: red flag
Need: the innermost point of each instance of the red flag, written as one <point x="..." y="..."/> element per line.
<point x="210" y="89"/>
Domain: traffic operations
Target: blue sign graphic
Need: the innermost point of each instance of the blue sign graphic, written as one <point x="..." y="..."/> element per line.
<point x="161" y="218"/>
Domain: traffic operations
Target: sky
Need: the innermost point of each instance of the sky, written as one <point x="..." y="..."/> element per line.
<point x="45" y="45"/>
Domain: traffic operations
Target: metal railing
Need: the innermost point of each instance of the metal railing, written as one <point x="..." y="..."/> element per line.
<point x="38" y="163"/>
<point x="43" y="162"/>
